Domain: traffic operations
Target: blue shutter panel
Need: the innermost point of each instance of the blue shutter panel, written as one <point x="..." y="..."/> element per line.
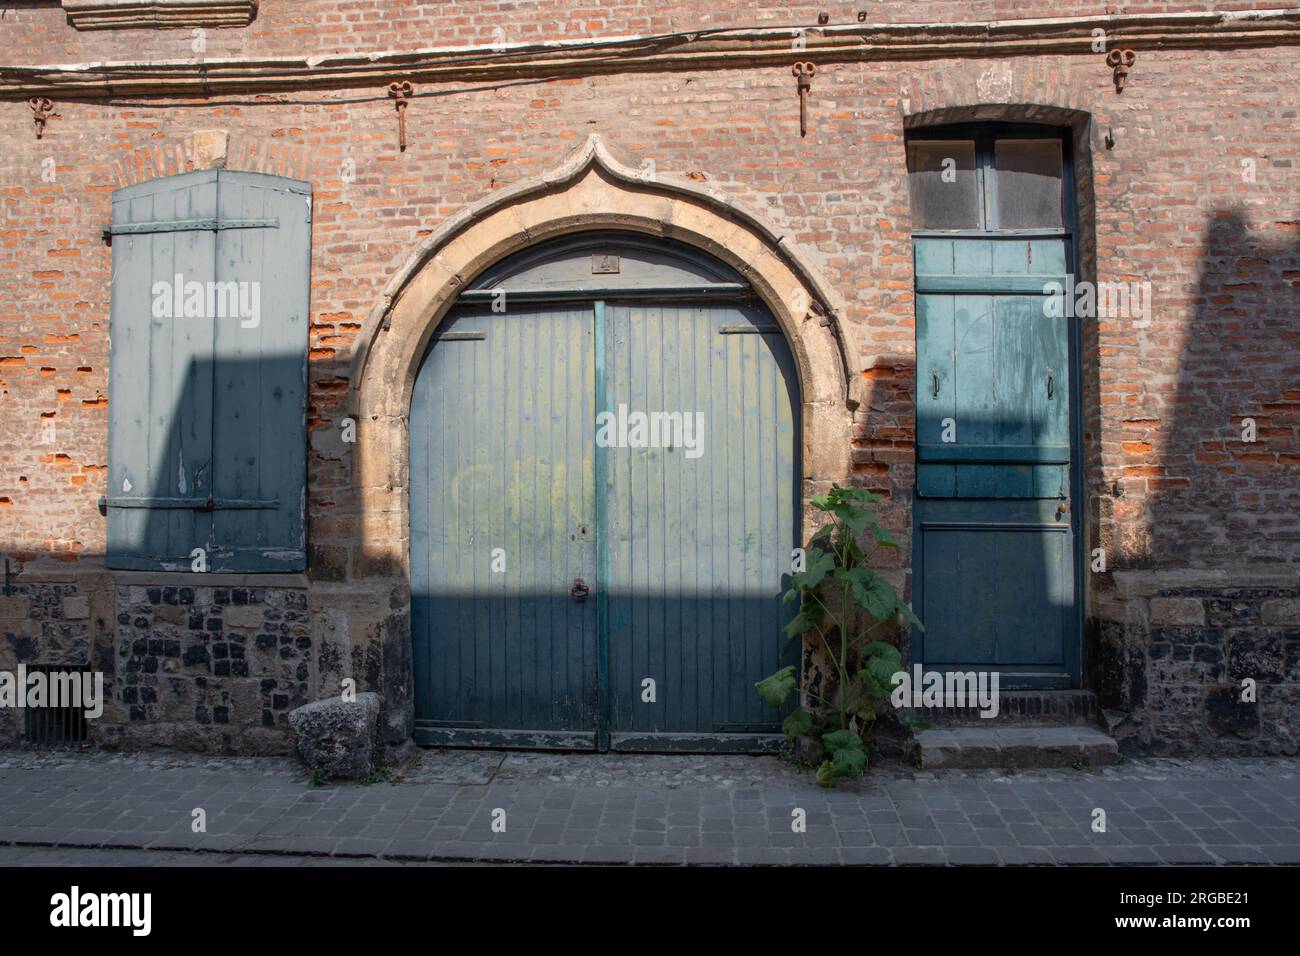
<point x="259" y="426"/>
<point x="207" y="443"/>
<point x="160" y="388"/>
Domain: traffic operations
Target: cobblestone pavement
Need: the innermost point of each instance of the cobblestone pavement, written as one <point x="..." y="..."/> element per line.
<point x="643" y="809"/>
<point x="11" y="856"/>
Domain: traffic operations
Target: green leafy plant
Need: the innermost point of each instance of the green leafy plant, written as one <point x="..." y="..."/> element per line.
<point x="842" y="603"/>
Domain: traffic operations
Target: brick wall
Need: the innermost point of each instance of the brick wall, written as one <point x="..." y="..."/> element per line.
<point x="1175" y="498"/>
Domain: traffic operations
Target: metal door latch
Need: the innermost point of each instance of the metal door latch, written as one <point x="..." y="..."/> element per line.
<point x="579" y="591"/>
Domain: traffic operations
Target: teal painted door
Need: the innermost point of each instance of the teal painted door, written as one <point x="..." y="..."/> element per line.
<point x="698" y="539"/>
<point x="502" y="524"/>
<point x="994" y="543"/>
<point x="681" y="535"/>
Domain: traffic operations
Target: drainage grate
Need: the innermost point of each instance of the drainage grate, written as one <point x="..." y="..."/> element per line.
<point x="55" y="725"/>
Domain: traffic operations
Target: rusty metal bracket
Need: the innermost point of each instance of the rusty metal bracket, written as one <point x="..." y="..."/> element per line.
<point x="803" y="74"/>
<point x="1120" y="61"/>
<point x="43" y="111"/>
<point x="401" y="92"/>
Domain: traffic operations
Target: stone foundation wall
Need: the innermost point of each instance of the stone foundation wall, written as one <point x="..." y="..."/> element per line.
<point x="210" y="668"/>
<point x="1176" y="671"/>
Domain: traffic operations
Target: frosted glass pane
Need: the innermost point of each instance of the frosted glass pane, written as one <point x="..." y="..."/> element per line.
<point x="1028" y="183"/>
<point x="941" y="177"/>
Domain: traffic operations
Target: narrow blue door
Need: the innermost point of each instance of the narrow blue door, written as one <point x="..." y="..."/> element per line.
<point x="994" y="544"/>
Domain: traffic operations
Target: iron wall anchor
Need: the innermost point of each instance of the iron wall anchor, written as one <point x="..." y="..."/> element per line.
<point x="42" y="110"/>
<point x="1120" y="61"/>
<point x="803" y="73"/>
<point x="401" y="92"/>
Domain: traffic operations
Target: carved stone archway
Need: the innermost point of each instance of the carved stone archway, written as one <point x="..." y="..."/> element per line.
<point x="591" y="190"/>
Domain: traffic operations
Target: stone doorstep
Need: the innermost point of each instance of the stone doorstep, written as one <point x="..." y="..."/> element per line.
<point x="1022" y="747"/>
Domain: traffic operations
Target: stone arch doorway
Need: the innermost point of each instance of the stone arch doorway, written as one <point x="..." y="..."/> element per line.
<point x="604" y="498"/>
<point x="590" y="191"/>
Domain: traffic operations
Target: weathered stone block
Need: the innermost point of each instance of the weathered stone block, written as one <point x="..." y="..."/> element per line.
<point x="1282" y="611"/>
<point x="13" y="607"/>
<point x="1183" y="611"/>
<point x="76" y="607"/>
<point x="245" y="616"/>
<point x="339" y="739"/>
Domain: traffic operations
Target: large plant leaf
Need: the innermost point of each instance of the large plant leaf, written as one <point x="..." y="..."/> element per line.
<point x="775" y="689"/>
<point x="849" y="763"/>
<point x="883" y="538"/>
<point x="870" y="591"/>
<point x="817" y="565"/>
<point x="797" y="724"/>
<point x="802" y="622"/>
<point x="879" y="598"/>
<point x="862" y="698"/>
<point x="842" y="740"/>
<point x="882" y="661"/>
<point x="826" y="774"/>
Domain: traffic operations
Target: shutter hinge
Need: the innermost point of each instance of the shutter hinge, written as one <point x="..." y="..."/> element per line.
<point x="191" y="504"/>
<point x="211" y="224"/>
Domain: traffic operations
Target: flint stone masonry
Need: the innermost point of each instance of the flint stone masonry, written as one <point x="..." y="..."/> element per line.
<point x="212" y="668"/>
<point x="1181" y="678"/>
<point x="338" y="739"/>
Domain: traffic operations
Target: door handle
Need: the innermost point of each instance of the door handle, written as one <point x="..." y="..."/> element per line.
<point x="579" y="591"/>
<point x="934" y="383"/>
<point x="1051" y="385"/>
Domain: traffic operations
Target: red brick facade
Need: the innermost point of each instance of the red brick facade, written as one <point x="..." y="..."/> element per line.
<point x="1189" y="179"/>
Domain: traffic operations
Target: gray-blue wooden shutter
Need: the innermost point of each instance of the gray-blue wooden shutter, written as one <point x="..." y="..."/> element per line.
<point x="207" y="425"/>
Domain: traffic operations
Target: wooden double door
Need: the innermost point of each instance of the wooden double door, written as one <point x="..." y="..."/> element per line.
<point x="581" y="577"/>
